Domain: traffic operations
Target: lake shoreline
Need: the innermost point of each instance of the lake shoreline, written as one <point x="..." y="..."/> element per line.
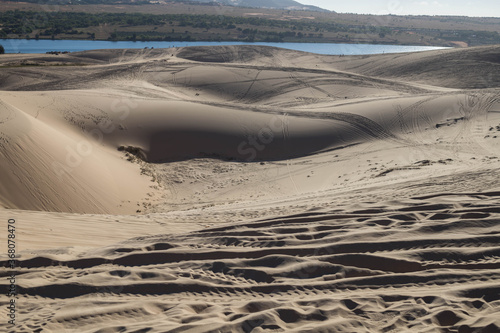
<point x="394" y="42"/>
<point x="71" y="45"/>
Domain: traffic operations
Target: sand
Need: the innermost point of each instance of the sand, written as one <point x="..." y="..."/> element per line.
<point x="251" y="189"/>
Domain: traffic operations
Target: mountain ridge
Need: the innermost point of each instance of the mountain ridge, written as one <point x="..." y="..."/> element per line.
<point x="271" y="4"/>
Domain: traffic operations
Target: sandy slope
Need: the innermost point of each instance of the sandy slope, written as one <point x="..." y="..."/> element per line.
<point x="277" y="190"/>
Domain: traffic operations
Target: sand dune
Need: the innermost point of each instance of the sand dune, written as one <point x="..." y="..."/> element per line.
<point x="45" y="168"/>
<point x="252" y="189"/>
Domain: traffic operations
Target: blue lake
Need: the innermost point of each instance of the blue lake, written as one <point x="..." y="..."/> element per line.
<point x="42" y="46"/>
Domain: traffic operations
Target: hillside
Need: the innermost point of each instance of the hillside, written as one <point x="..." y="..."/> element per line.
<point x="265" y="4"/>
<point x="274" y="4"/>
<point x="209" y="21"/>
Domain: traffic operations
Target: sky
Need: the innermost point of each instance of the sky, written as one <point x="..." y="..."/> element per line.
<point x="486" y="8"/>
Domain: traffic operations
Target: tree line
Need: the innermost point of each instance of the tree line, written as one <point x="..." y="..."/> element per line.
<point x="32" y="24"/>
<point x="22" y="23"/>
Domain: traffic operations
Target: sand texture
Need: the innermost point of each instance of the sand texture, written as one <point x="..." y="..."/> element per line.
<point x="251" y="189"/>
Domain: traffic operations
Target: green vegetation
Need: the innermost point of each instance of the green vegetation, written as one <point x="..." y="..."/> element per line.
<point x="204" y="27"/>
<point x="180" y="27"/>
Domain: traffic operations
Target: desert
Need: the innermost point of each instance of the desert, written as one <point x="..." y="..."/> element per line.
<point x="251" y="189"/>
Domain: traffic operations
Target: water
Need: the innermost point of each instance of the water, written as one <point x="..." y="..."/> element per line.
<point x="42" y="46"/>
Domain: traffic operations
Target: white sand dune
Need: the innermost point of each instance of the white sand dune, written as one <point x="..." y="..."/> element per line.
<point x="46" y="168"/>
<point x="273" y="190"/>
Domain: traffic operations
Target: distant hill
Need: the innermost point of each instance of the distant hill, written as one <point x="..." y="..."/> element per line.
<point x="274" y="4"/>
<point x="269" y="4"/>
